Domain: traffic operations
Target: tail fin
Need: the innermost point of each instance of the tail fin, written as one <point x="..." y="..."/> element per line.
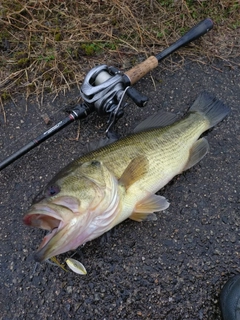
<point x="213" y="109"/>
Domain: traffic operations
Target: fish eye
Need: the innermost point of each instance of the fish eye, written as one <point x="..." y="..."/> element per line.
<point x="52" y="190"/>
<point x="96" y="163"/>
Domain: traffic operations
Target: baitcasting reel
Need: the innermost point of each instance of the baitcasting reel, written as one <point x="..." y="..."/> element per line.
<point x="103" y="90"/>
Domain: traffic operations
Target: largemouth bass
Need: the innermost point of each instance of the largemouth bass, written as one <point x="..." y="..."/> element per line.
<point x="119" y="181"/>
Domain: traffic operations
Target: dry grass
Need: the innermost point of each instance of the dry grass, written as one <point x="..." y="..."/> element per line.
<point x="49" y="45"/>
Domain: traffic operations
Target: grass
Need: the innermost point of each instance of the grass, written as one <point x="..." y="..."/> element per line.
<point x="50" y="45"/>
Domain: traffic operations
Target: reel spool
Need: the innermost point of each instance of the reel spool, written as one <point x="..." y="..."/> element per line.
<point x="102" y="90"/>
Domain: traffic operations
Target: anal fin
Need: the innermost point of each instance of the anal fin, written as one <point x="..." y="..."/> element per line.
<point x="197" y="152"/>
<point x="147" y="206"/>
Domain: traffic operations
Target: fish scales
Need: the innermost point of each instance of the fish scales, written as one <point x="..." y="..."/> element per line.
<point x="119" y="181"/>
<point x="167" y="150"/>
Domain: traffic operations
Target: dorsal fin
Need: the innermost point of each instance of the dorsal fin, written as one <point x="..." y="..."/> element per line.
<point x="159" y="119"/>
<point x="102" y="142"/>
<point x="134" y="171"/>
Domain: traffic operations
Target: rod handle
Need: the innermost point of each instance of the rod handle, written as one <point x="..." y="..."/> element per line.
<point x="139" y="71"/>
<point x="194" y="33"/>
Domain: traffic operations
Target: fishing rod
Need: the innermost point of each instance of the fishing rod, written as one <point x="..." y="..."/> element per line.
<point x="104" y="88"/>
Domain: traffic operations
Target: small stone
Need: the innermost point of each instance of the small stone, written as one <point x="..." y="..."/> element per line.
<point x="224" y="219"/>
<point x="46" y="118"/>
<point x="69" y="289"/>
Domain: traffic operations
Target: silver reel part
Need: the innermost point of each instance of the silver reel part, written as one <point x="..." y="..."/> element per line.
<point x="102" y="90"/>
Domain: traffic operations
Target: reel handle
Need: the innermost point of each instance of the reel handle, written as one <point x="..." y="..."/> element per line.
<point x="138" y="98"/>
<point x="137" y="72"/>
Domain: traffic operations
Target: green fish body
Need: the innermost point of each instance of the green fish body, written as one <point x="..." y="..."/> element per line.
<point x="119" y="181"/>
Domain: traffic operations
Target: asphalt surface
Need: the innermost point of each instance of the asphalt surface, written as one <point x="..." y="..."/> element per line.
<point x="172" y="268"/>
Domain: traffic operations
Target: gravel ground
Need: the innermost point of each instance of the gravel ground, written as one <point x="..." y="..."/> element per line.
<point x="172" y="268"/>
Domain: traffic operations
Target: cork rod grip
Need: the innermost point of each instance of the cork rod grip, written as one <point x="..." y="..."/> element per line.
<point x="137" y="72"/>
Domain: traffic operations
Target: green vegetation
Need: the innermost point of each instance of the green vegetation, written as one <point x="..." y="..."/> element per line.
<point x="50" y="45"/>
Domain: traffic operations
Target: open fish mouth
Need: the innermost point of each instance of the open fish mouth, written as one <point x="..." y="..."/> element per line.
<point x="53" y="216"/>
<point x="44" y="217"/>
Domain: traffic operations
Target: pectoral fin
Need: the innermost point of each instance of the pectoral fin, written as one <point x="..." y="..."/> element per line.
<point x="134" y="171"/>
<point x="150" y="204"/>
<point x="197" y="152"/>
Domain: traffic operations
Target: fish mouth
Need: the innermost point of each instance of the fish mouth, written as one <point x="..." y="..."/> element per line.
<point x="44" y="217"/>
<point x="43" y="252"/>
<point x="54" y="216"/>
